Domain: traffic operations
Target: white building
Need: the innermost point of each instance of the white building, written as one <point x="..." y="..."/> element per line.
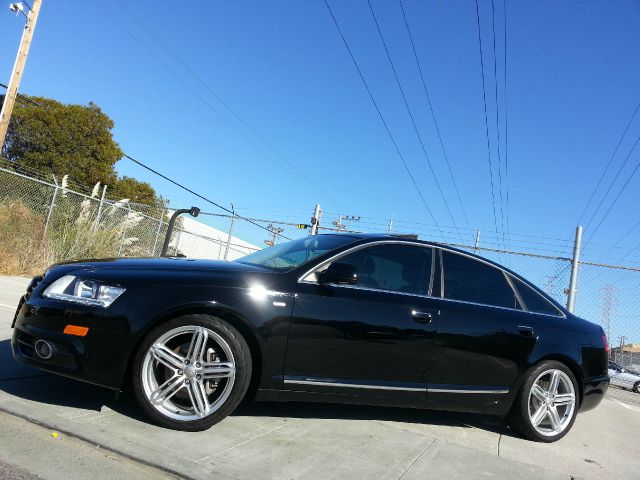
<point x="197" y="240"/>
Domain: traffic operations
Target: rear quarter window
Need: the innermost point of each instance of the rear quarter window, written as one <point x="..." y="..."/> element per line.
<point x="533" y="301"/>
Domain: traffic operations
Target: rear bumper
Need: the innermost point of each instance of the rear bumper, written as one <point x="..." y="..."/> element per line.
<point x="594" y="390"/>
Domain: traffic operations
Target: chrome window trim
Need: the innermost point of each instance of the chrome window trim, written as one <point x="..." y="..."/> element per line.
<point x="451" y="300"/>
<point x="441" y="273"/>
<point x="516" y="294"/>
<point x="439" y="249"/>
<point x="380" y="290"/>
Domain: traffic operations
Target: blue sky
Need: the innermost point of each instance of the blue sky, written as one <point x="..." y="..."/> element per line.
<point x="572" y="73"/>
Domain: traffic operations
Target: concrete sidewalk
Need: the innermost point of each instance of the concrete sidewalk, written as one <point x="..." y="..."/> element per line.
<point x="30" y="451"/>
<point x="279" y="440"/>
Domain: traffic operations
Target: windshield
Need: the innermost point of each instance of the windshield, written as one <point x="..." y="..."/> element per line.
<point x="287" y="256"/>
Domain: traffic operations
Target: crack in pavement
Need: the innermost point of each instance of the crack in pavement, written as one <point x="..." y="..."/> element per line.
<point x="415" y="460"/>
<point x="244" y="442"/>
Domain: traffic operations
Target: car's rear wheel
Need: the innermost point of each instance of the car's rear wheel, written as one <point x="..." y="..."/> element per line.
<point x="191" y="372"/>
<point x="547" y="403"/>
<point x="636" y="387"/>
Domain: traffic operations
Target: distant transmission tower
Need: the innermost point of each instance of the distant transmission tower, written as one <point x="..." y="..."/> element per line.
<point x="550" y="286"/>
<point x="605" y="316"/>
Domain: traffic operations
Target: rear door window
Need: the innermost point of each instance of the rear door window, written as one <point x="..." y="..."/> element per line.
<point x="470" y="280"/>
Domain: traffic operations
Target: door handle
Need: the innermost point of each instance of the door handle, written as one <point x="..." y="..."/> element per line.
<point x="525" y="330"/>
<point x="421" y="317"/>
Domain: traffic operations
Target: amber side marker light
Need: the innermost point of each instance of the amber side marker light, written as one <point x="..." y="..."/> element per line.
<point x="76" y="330"/>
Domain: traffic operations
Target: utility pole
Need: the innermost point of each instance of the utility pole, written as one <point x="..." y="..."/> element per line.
<point x="390" y="227"/>
<point x="275" y="231"/>
<point x="575" y="266"/>
<point x="18" y="66"/>
<point x="233" y="221"/>
<point x="315" y="220"/>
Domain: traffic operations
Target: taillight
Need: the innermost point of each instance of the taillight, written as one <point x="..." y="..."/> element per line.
<point x="606" y="343"/>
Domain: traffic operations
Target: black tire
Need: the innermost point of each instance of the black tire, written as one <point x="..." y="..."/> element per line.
<point x="518" y="417"/>
<point x="636" y="387"/>
<point x="243" y="366"/>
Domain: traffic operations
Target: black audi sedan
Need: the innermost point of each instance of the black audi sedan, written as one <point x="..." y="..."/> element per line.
<point x="363" y="319"/>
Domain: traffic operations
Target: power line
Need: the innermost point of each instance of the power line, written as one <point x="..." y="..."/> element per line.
<point x="433" y="115"/>
<point x="506" y="115"/>
<point x="206" y="86"/>
<point x="202" y="98"/>
<point x="196" y="194"/>
<point x="629" y="232"/>
<point x="486" y="120"/>
<point x="384" y="122"/>
<point x="413" y="121"/>
<point x="495" y="76"/>
<point x="624" y="164"/>
<point x="606" y="168"/>
<point x="632" y="250"/>
<point x="635" y="170"/>
<point x="21" y="97"/>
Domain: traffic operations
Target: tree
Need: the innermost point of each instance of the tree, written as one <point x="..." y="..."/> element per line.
<point x="74" y="140"/>
<point x="135" y="190"/>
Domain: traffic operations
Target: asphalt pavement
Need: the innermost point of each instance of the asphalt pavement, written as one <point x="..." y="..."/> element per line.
<point x="295" y="440"/>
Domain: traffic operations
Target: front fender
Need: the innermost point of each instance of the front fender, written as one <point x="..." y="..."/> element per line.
<point x="262" y="323"/>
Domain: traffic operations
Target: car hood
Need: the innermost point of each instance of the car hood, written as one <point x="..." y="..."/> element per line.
<point x="158" y="264"/>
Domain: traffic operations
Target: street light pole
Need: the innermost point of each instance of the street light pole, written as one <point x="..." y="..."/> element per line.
<point x="18" y="66"/>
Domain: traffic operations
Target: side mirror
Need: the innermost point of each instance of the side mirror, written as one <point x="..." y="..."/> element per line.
<point x="340" y="273"/>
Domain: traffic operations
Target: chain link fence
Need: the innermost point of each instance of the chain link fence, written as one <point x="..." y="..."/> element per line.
<point x="43" y="222"/>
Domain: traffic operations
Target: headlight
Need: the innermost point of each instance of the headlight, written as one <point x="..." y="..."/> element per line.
<point x="85" y="292"/>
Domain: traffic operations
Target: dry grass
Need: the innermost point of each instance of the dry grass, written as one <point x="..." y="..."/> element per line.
<point x="73" y="234"/>
<point x="21" y="232"/>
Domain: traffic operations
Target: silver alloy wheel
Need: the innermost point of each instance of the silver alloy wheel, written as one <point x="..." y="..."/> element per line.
<point x="552" y="401"/>
<point x="188" y="373"/>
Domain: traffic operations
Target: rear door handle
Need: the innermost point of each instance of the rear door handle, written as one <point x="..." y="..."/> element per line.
<point x="525" y="330"/>
<point x="421" y="317"/>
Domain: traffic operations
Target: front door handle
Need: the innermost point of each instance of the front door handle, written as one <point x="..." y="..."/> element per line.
<point x="421" y="317"/>
<point x="525" y="330"/>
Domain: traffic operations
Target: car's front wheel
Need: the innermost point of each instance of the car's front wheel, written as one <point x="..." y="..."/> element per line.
<point x="547" y="404"/>
<point x="191" y="372"/>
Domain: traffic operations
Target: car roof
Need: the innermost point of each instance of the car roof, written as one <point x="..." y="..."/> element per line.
<point x="412" y="238"/>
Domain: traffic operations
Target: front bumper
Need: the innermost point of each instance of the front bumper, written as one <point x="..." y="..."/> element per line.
<point x="101" y="357"/>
